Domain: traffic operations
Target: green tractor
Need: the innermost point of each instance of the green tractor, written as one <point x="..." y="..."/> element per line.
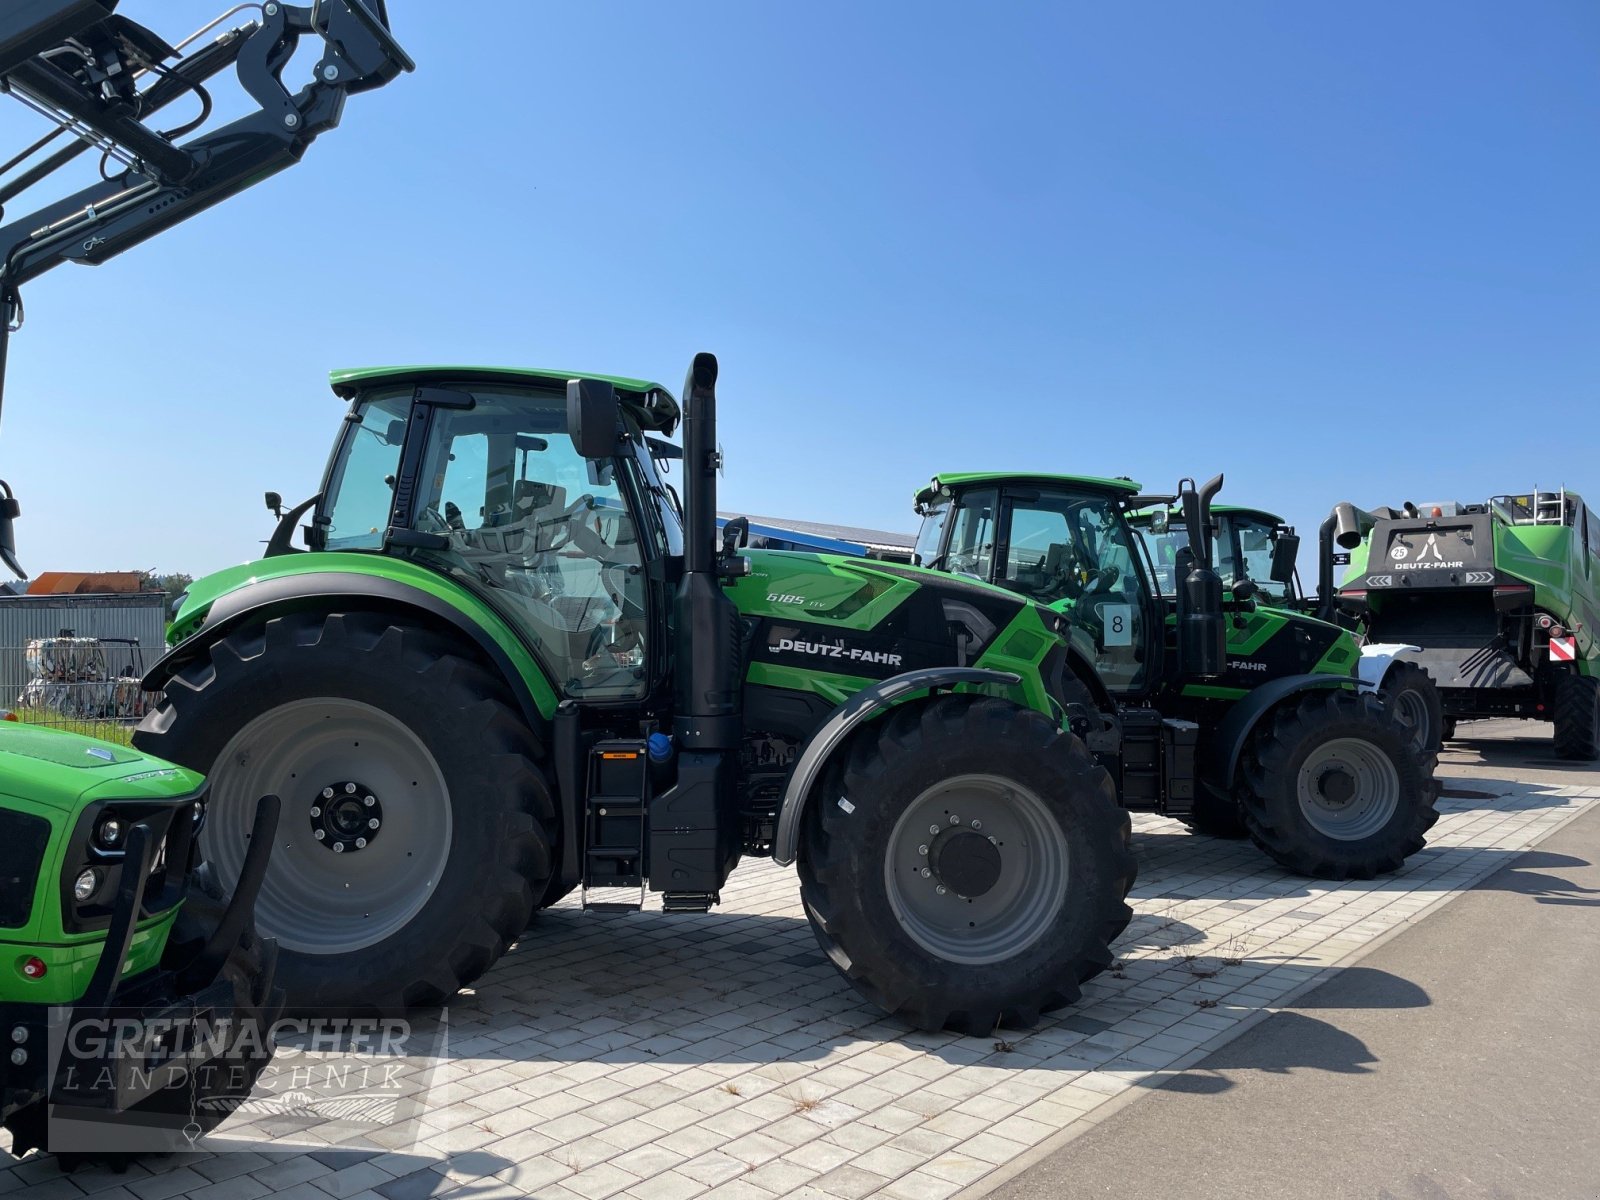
<point x="1254" y="545"/>
<point x="508" y="662"/>
<point x="1271" y="730"/>
<point x="136" y="997"/>
<point x="108" y="923"/>
<point x="1501" y="599"/>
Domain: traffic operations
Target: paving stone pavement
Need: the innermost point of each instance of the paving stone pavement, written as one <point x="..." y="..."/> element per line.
<point x="662" y="1057"/>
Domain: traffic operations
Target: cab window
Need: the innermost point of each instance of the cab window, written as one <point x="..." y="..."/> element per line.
<point x="971" y="551"/>
<point x="548" y="533"/>
<point x="360" y="488"/>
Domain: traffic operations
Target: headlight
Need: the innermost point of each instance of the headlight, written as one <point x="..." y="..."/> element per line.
<point x="85" y="884"/>
<point x="109" y="833"/>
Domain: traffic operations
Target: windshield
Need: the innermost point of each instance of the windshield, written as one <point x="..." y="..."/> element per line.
<point x="934" y="514"/>
<point x="1162" y="548"/>
<point x="360" y="491"/>
<point x="1247" y="554"/>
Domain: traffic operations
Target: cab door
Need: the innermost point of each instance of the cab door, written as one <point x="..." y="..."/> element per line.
<point x="1073" y="551"/>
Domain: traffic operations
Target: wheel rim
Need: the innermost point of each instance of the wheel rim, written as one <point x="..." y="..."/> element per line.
<point x="316" y="898"/>
<point x="976" y="869"/>
<point x="1412" y="712"/>
<point x="1348" y="789"/>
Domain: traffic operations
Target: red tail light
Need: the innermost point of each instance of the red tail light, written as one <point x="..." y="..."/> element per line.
<point x="34" y="967"/>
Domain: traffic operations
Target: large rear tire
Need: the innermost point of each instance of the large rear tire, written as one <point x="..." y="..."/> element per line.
<point x="1577" y="718"/>
<point x="966" y="865"/>
<point x="1410" y="693"/>
<point x="417" y="826"/>
<point x="1335" y="788"/>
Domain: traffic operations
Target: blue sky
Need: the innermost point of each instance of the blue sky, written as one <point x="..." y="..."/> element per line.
<point x="1338" y="251"/>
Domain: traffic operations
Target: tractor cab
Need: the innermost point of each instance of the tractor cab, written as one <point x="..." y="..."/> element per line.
<point x="473" y="473"/>
<point x="1066" y="541"/>
<point x="1247" y="544"/>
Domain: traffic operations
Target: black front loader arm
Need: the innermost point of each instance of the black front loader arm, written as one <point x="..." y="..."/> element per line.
<point x="79" y="64"/>
<point x="84" y="81"/>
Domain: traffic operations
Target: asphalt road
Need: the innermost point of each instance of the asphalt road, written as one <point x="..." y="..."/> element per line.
<point x="1460" y="1059"/>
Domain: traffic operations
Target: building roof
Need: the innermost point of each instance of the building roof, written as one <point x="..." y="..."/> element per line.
<point x="876" y="539"/>
<point x="68" y="583"/>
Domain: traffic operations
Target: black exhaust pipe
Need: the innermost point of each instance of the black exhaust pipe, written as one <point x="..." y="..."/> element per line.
<point x="707" y="644"/>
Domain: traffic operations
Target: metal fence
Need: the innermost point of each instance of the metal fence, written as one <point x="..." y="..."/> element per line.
<point x="74" y="662"/>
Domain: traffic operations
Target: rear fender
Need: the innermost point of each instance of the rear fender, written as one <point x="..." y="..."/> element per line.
<point x="836" y="728"/>
<point x="335" y="590"/>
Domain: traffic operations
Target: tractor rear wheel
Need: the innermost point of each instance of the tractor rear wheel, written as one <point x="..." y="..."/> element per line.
<point x="1410" y="692"/>
<point x="1335" y="788"/>
<point x="966" y="865"/>
<point x="417" y="826"/>
<point x="1577" y="717"/>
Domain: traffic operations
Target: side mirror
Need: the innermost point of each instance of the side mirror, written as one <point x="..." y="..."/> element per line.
<point x="1243" y="589"/>
<point x="1284" y="552"/>
<point x="274" y="504"/>
<point x="592" y="416"/>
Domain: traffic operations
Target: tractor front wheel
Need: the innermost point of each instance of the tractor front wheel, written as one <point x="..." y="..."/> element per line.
<point x="1577" y="717"/>
<point x="417" y="827"/>
<point x="1335" y="788"/>
<point x="1410" y="692"/>
<point x="966" y="865"/>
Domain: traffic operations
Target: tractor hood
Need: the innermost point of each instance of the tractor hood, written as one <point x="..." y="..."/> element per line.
<point x="62" y="771"/>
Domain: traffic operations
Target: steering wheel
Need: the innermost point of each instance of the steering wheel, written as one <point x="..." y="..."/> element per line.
<point x="431" y="520"/>
<point x="565" y="519"/>
<point x="1103" y="580"/>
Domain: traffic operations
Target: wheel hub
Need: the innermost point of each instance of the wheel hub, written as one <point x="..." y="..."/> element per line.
<point x="1337" y="786"/>
<point x="966" y="862"/>
<point x="346" y="816"/>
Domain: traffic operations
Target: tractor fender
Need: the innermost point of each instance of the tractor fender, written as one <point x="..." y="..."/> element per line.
<point x="842" y="721"/>
<point x="267" y="597"/>
<point x="1376" y="659"/>
<point x="1223" y="749"/>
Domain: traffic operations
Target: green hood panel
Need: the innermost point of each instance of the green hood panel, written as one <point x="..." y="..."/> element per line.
<point x="62" y="771"/>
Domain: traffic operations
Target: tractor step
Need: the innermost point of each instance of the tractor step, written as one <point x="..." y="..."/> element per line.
<point x="618" y="794"/>
<point x="695" y="902"/>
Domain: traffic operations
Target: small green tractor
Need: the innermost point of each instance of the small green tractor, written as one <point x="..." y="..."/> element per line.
<point x="509" y="662"/>
<point x="1271" y="730"/>
<point x="136" y="997"/>
<point x="1254" y="545"/>
<point x="1502" y="600"/>
<point x="108" y="923"/>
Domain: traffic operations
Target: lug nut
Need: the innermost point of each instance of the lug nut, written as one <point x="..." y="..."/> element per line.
<point x="18" y="1057"/>
<point x="933" y="829"/>
<point x="926" y="874"/>
<point x="338" y="847"/>
<point x="954" y="820"/>
<point x="361" y="843"/>
<point x="940" y="889"/>
<point x="19" y="1034"/>
<point x="373" y="823"/>
<point x="327" y="793"/>
<point x="977" y="824"/>
<point x="922" y="849"/>
<point x="319" y="834"/>
<point x="369" y="801"/>
<point x="316" y="810"/>
<point x="349" y="789"/>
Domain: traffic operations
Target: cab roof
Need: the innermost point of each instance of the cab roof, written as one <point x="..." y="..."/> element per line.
<point x="998" y="478"/>
<point x="651" y="403"/>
